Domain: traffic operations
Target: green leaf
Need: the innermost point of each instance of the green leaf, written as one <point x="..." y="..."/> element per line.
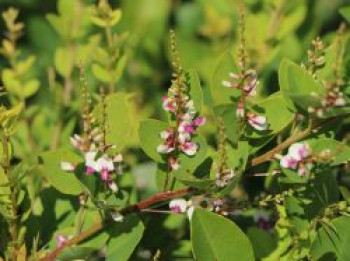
<point x="125" y="237"/>
<point x="277" y="121"/>
<point x="66" y="8"/>
<point x="65" y="182"/>
<point x="56" y="22"/>
<point x="120" y="123"/>
<point x="263" y="242"/>
<point x="228" y="113"/>
<point x="339" y="152"/>
<point x="63" y="62"/>
<point x="317" y="194"/>
<point x="191" y="181"/>
<point x="190" y="163"/>
<point x="91" y="183"/>
<point x="238" y="155"/>
<point x="334" y="238"/>
<point x="195" y="92"/>
<point x="119" y="68"/>
<point x="149" y="138"/>
<point x="345" y="12"/>
<point x="11" y="82"/>
<point x="345" y="193"/>
<point x="30" y="88"/>
<point x="298" y="86"/>
<point x="220" y="93"/>
<point x="217" y="238"/>
<point x="23" y="66"/>
<point x="116" y="15"/>
<point x="74" y="253"/>
<point x="101" y="73"/>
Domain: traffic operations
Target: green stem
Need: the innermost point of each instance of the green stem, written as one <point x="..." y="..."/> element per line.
<point x="13" y="198"/>
<point x="109" y="37"/>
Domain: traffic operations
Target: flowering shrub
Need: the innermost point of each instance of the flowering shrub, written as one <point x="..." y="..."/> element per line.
<point x="107" y="156"/>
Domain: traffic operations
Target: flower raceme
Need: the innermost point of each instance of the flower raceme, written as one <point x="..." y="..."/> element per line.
<point x="247" y="82"/>
<point x="223" y="178"/>
<point x="95" y="162"/>
<point x="178" y="138"/>
<point x="296" y="158"/>
<point x="334" y="99"/>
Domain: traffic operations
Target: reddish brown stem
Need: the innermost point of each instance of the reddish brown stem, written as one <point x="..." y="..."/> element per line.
<point x="160" y="197"/>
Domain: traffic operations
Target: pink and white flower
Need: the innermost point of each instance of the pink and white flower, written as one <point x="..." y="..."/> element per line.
<point x="288" y="162"/>
<point x="90" y="162"/>
<point x="199" y="121"/>
<point x="104" y="165"/>
<point x="296" y="158"/>
<point x="178" y="205"/>
<point x="76" y="141"/>
<point x="169" y="104"/>
<point x="247" y="82"/>
<point x="258" y="122"/>
<point x="224" y="178"/>
<point x="168" y="142"/>
<point x="299" y="151"/>
<point x="189" y="148"/>
<point x="240" y="109"/>
<point x="61" y="240"/>
<point x="174" y="163"/>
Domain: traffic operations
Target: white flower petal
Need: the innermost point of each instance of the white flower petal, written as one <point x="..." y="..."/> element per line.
<point x="105" y="163"/>
<point x="227" y="84"/>
<point x="178" y="205"/>
<point x="164" y="149"/>
<point x="288" y="162"/>
<point x="118" y="158"/>
<point x="190" y="212"/>
<point x="117" y="217"/>
<point x="164" y="135"/>
<point x="299" y="151"/>
<point x="189" y="148"/>
<point x="113" y="186"/>
<point x="67" y="166"/>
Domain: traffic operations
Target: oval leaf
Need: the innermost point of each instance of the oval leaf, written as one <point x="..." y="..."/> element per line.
<point x="216" y="238"/>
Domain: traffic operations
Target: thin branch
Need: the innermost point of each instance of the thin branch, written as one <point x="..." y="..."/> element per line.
<point x="285" y="144"/>
<point x="163" y="196"/>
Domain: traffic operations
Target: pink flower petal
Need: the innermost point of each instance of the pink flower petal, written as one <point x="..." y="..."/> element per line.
<point x="89" y="170"/>
<point x="288" y="162"/>
<point x="199" y="121"/>
<point x="258" y="122"/>
<point x="189" y="148"/>
<point x="178" y="205"/>
<point x="164" y="149"/>
<point x="61" y="240"/>
<point x="174" y="163"/>
<point x="105" y="174"/>
<point x="299" y="151"/>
